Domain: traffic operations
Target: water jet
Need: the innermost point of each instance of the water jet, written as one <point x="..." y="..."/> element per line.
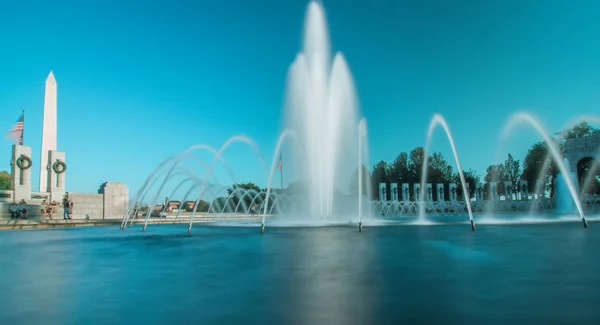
<point x="526" y="118"/>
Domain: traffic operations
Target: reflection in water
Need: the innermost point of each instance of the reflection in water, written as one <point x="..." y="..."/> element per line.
<point x="330" y="274"/>
<point x="320" y="275"/>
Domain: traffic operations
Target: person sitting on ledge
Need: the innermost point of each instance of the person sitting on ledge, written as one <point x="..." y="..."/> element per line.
<point x="22" y="210"/>
<point x="43" y="207"/>
<point x="46" y="209"/>
<point x="50" y="209"/>
<point x="13" y="211"/>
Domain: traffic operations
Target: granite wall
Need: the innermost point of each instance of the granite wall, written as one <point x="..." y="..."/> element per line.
<point x="87" y="206"/>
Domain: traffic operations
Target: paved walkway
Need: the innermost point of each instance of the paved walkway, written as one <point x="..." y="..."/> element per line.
<point x="37" y="223"/>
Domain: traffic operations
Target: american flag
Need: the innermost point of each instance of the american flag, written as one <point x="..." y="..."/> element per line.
<point x="15" y="134"/>
<point x="279" y="165"/>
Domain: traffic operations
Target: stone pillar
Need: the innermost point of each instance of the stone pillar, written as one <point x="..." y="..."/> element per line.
<point x="494" y="191"/>
<point x="394" y="191"/>
<point x="417" y="191"/>
<point x="508" y="190"/>
<point x="452" y="189"/>
<point x="382" y="192"/>
<point x="21" y="177"/>
<point x="479" y="192"/>
<point x="116" y="199"/>
<point x="440" y="192"/>
<point x="405" y="192"/>
<point x="524" y="190"/>
<point x="429" y="192"/>
<point x="57" y="170"/>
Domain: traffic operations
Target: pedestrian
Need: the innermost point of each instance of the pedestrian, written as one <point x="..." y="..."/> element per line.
<point x="66" y="205"/>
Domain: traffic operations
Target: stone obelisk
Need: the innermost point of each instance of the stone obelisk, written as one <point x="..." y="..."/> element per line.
<point x="48" y="130"/>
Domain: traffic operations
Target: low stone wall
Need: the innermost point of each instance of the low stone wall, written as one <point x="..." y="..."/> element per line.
<point x="86" y="206"/>
<point x="111" y="202"/>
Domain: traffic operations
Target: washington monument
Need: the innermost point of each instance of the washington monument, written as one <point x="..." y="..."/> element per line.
<point x="48" y="130"/>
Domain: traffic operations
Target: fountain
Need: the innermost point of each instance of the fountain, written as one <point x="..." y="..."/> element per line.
<point x="436" y="121"/>
<point x="523" y="117"/>
<point x="321" y="108"/>
<point x="322" y="116"/>
<point x="362" y="151"/>
<point x="564" y="201"/>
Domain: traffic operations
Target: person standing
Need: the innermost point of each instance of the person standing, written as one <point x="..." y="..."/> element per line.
<point x="66" y="205"/>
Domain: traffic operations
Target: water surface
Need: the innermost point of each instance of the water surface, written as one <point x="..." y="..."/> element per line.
<point x="530" y="274"/>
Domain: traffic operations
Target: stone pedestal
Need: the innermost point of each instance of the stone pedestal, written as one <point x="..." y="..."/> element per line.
<point x="440" y="192"/>
<point x="116" y="199"/>
<point x="508" y="190"/>
<point x="417" y="192"/>
<point x="524" y="190"/>
<point x="382" y="192"/>
<point x="479" y="192"/>
<point x="21" y="177"/>
<point x="56" y="171"/>
<point x="394" y="191"/>
<point x="405" y="192"/>
<point x="429" y="192"/>
<point x="453" y="192"/>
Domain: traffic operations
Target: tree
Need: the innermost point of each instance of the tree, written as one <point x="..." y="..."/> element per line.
<point x="407" y="168"/>
<point x="536" y="160"/>
<point x="438" y="170"/>
<point x="471" y="177"/>
<point x="202" y="206"/>
<point x="399" y="169"/>
<point x="494" y="173"/>
<point x="380" y="174"/>
<point x="233" y="201"/>
<point x="4" y="180"/>
<point x="246" y="187"/>
<point x="512" y="170"/>
<point x="415" y="165"/>
<point x="580" y="130"/>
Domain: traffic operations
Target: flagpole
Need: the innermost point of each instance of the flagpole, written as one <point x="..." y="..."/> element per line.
<point x="23" y="131"/>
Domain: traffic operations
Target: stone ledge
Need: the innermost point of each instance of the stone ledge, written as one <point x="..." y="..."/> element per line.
<point x="61" y="223"/>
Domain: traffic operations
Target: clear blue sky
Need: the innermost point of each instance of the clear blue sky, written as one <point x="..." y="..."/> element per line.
<point x="141" y="80"/>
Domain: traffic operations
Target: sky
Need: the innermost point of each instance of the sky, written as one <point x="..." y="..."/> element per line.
<point x="139" y="81"/>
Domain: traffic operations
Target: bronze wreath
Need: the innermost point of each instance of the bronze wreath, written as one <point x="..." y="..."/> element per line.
<point x="59" y="167"/>
<point x="24" y="162"/>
